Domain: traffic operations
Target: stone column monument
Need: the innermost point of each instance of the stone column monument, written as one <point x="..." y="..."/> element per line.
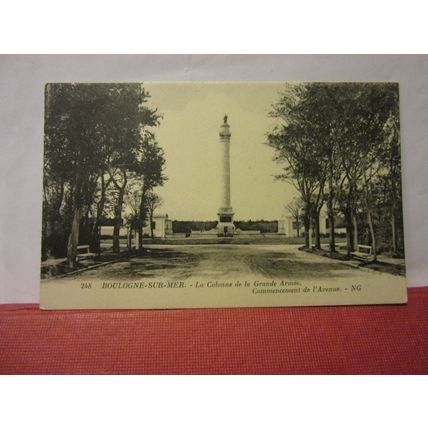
<point x="225" y="212"/>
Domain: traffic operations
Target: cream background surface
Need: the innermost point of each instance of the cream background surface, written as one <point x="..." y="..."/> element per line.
<point x="21" y="123"/>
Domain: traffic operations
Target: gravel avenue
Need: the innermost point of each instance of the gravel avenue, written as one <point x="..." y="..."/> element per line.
<point x="232" y="261"/>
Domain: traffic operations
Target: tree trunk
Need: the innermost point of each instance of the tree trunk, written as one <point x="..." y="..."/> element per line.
<point x="330" y="215"/>
<point x="85" y="228"/>
<point x="140" y="237"/>
<point x="317" y="230"/>
<point x="51" y="217"/>
<point x="73" y="239"/>
<point x="394" y="232"/>
<point x="151" y="225"/>
<point x="297" y="226"/>
<point x="46" y="234"/>
<point x="129" y="239"/>
<point x="118" y="221"/>
<point x="355" y="224"/>
<point x="141" y="217"/>
<point x="349" y="235"/>
<point x="348" y="240"/>
<point x="369" y="216"/>
<point x="306" y="226"/>
<point x="372" y="233"/>
<point x="95" y="235"/>
<point x="95" y="244"/>
<point x="330" y="212"/>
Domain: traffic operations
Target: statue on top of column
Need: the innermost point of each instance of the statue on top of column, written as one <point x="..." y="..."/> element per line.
<point x="225" y="119"/>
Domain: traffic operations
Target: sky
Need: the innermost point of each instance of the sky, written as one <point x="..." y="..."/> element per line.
<point x="189" y="134"/>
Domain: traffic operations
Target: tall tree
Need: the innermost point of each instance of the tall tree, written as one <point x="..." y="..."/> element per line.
<point x="150" y="173"/>
<point x="104" y="182"/>
<point x="392" y="172"/>
<point x="297" y="148"/>
<point x="153" y="202"/>
<point x="372" y="110"/>
<point x="128" y="118"/>
<point x="73" y="117"/>
<point x="294" y="208"/>
<point x="337" y="140"/>
<point x="322" y="117"/>
<point x="93" y="131"/>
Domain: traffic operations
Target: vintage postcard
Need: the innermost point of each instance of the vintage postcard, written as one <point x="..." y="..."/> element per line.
<point x="221" y="194"/>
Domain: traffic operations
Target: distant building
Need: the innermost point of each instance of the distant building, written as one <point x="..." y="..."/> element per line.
<point x="288" y="226"/>
<point x="162" y="226"/>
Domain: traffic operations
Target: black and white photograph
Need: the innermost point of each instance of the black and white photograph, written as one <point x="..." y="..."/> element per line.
<point x="222" y="194"/>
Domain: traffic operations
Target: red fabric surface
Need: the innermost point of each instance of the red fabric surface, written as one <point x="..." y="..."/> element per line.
<point x="354" y="340"/>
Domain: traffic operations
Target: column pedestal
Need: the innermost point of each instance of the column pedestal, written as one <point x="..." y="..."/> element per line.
<point x="225" y="225"/>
